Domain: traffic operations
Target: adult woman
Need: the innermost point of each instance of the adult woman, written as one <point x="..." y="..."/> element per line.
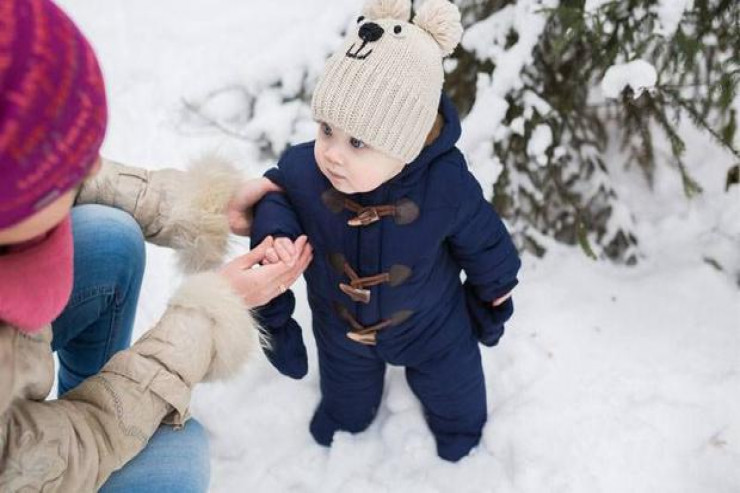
<point x="70" y="280"/>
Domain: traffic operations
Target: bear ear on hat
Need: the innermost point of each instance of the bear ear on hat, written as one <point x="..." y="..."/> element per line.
<point x="388" y="9"/>
<point x="441" y="19"/>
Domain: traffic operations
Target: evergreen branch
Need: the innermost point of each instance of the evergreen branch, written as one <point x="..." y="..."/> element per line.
<point x="701" y="122"/>
<point x="195" y="109"/>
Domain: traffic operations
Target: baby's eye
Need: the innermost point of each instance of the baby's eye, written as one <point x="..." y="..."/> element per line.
<point x="356" y="143"/>
<point x="326" y="129"/>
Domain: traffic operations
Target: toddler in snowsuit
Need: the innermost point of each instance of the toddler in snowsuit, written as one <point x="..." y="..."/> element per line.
<point x="393" y="214"/>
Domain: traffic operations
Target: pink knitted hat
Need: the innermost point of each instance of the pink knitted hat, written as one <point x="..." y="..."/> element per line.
<point x="52" y="107"/>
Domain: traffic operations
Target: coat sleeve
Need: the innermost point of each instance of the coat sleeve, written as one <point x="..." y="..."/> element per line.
<point x="76" y="442"/>
<point x="184" y="210"/>
<point x="274" y="215"/>
<point x="481" y="244"/>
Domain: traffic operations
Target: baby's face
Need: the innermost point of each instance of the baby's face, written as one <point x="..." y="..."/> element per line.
<point x="349" y="164"/>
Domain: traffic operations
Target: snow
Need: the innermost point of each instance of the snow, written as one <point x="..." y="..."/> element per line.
<point x="637" y="74"/>
<point x="592" y="6"/>
<point x="539" y="143"/>
<point x="669" y="15"/>
<point x="488" y="40"/>
<point x="517" y="125"/>
<point x="609" y="379"/>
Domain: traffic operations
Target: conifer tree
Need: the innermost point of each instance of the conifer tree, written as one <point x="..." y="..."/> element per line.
<point x="568" y="194"/>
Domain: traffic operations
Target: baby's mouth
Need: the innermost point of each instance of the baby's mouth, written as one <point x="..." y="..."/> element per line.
<point x="335" y="175"/>
<point x="356" y="55"/>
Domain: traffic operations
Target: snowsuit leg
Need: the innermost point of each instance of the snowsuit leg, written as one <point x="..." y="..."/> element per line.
<point x="351" y="389"/>
<point x="452" y="390"/>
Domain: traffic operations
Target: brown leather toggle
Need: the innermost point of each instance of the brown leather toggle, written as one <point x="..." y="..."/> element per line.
<point x="368" y="335"/>
<point x="356" y="288"/>
<point x="357" y="294"/>
<point x="369" y="215"/>
<point x="404" y="211"/>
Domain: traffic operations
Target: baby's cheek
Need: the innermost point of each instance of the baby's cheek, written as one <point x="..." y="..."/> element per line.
<point x="371" y="179"/>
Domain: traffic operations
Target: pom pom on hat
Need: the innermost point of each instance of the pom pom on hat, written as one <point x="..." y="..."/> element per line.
<point x="441" y="19"/>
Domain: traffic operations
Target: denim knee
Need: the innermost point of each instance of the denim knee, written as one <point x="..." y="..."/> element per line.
<point x="115" y="237"/>
<point x="176" y="461"/>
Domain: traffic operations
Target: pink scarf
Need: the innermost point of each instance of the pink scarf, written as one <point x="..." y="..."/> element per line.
<point x="36" y="279"/>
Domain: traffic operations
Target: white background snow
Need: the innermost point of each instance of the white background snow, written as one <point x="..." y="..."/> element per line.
<point x="637" y="74"/>
<point x="609" y="379"/>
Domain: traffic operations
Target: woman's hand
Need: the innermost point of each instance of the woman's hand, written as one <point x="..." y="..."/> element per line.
<point x="257" y="286"/>
<point x="240" y="207"/>
<point x="283" y="250"/>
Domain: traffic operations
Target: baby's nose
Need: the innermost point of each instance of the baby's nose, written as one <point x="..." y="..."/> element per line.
<point x="371" y="32"/>
<point x="333" y="156"/>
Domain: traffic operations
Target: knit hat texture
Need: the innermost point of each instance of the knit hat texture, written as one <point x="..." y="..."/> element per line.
<point x="383" y="86"/>
<point x="53" y="110"/>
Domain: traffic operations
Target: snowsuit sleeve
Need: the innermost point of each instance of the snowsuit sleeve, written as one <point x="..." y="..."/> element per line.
<point x="275" y="216"/>
<point x="481" y="244"/>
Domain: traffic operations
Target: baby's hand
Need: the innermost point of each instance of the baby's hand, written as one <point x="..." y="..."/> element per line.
<point x="283" y="250"/>
<point x="500" y="301"/>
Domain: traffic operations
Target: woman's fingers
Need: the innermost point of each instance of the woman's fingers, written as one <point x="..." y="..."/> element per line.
<point x="256" y="255"/>
<point x="285" y="250"/>
<point x="247" y="195"/>
<point x="270" y="186"/>
<point x="258" y="286"/>
<point x="284" y="274"/>
<point x="300" y="242"/>
<point x="305" y="255"/>
<point x="305" y="258"/>
<point x="271" y="257"/>
<point x="297" y="247"/>
<point x="290" y="247"/>
<point x="290" y="276"/>
<point x="238" y="222"/>
<point x="273" y="276"/>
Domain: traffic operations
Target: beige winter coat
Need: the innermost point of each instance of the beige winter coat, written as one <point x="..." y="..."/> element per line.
<point x="74" y="443"/>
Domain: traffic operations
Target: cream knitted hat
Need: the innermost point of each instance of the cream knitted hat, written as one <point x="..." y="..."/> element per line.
<point x="383" y="86"/>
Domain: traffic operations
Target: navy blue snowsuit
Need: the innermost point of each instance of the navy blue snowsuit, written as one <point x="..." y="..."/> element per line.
<point x="394" y="274"/>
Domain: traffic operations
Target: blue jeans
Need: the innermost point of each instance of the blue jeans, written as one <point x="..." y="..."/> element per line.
<point x="98" y="322"/>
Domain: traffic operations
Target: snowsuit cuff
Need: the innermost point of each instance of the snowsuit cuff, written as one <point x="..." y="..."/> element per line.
<point x="488" y="321"/>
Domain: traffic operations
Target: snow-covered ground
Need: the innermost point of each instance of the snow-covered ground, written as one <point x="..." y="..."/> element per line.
<point x="609" y="379"/>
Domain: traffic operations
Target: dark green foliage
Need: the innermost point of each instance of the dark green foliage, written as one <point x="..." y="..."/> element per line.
<point x="698" y="73"/>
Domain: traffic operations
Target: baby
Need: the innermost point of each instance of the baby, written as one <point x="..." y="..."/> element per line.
<point x="394" y="215"/>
